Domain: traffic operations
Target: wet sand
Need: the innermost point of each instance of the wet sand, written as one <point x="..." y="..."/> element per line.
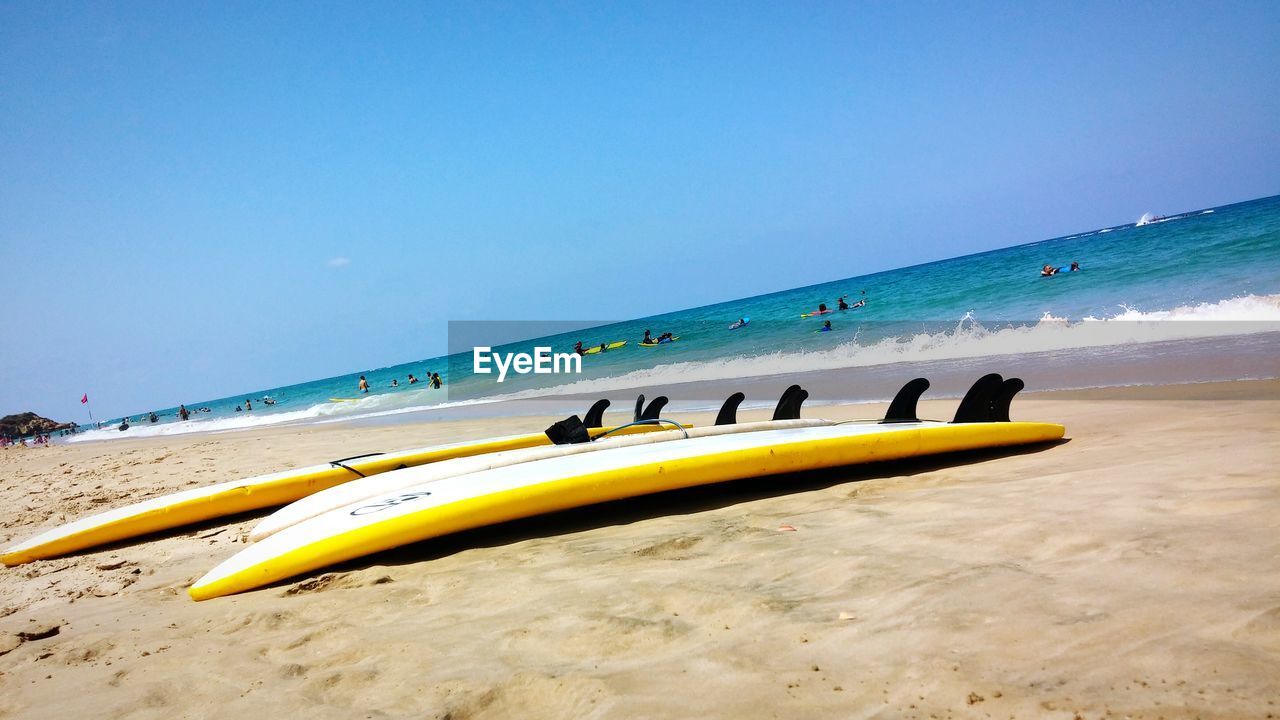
<point x="1127" y="572"/>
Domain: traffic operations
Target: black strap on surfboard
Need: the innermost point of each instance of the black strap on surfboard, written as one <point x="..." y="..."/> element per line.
<point x="1000" y="406"/>
<point x="780" y="410"/>
<point x="654" y="408"/>
<point x="569" y="431"/>
<point x="339" y="462"/>
<point x="977" y="405"/>
<point x="595" y="416"/>
<point x="729" y="410"/>
<point x="903" y="407"/>
<point x="657" y="422"/>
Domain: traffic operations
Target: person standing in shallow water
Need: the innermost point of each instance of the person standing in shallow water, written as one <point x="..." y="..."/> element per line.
<point x="182" y="412"/>
<point x="364" y="385"/>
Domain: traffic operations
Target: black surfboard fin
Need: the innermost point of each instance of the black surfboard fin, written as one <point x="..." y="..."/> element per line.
<point x="1000" y="407"/>
<point x="903" y="407"/>
<point x="655" y="407"/>
<point x="729" y="410"/>
<point x="639" y="408"/>
<point x="977" y="403"/>
<point x="595" y="416"/>
<point x="782" y="402"/>
<point x="789" y="405"/>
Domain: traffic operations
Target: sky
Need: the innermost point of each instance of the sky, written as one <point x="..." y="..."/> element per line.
<point x="198" y="200"/>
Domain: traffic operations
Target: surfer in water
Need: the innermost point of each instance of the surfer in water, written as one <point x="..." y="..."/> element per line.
<point x="1048" y="270"/>
<point x="648" y="339"/>
<point x="577" y="347"/>
<point x="826" y="326"/>
<point x="1074" y="266"/>
<point x="364" y="385"/>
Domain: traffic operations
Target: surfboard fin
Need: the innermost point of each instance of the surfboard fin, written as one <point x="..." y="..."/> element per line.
<point x="729" y="410"/>
<point x="1000" y="406"/>
<point x="655" y="407"/>
<point x="977" y="403"/>
<point x="789" y="405"/>
<point x="639" y="408"/>
<point x="903" y="407"/>
<point x="782" y="401"/>
<point x="595" y="416"/>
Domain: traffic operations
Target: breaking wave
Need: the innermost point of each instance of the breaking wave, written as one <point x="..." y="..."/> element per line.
<point x="968" y="338"/>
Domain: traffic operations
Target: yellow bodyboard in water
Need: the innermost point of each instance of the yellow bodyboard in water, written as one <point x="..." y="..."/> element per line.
<point x="610" y="346"/>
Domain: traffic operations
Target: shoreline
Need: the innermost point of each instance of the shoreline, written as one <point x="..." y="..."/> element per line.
<point x="1128" y="569"/>
<point x="1170" y="364"/>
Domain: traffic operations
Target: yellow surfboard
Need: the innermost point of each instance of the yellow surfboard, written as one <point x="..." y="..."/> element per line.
<point x="262" y="491"/>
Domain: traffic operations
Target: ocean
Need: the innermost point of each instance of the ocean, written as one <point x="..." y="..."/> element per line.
<point x="1157" y="300"/>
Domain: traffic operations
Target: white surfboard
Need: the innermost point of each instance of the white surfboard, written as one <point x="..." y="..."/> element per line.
<point x="356" y="490"/>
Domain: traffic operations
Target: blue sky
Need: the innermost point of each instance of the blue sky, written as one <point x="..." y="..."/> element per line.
<point x="200" y="200"/>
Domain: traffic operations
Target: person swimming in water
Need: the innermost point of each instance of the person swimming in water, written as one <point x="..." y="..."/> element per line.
<point x="364" y="385"/>
<point x="435" y="381"/>
<point x="1048" y="270"/>
<point x="826" y="326"/>
<point x="412" y="379"/>
<point x="395" y="382"/>
<point x="577" y="347"/>
<point x="841" y="304"/>
<point x="1074" y="266"/>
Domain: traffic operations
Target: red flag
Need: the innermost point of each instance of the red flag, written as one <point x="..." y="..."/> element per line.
<point x="84" y="398"/>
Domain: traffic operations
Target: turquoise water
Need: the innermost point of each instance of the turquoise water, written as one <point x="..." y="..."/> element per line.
<point x="1219" y="264"/>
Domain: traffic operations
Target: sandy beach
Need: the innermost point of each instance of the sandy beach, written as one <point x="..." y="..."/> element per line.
<point x="1130" y="571"/>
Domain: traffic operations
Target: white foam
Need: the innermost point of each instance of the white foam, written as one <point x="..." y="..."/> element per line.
<point x="968" y="339"/>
